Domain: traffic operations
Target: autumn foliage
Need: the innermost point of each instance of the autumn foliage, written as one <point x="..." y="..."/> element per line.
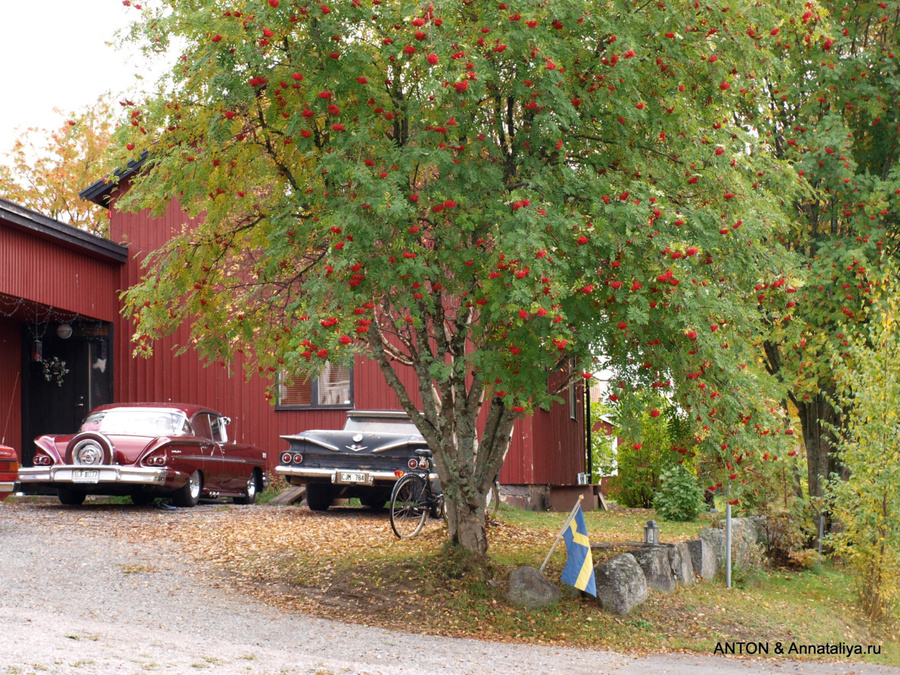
<point x="47" y="168"/>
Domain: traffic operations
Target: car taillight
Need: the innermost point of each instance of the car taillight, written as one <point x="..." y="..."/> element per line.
<point x="40" y="459"/>
<point x="423" y="463"/>
<point x="9" y="465"/>
<point x="155" y="460"/>
<point x="298" y="458"/>
<point x="412" y="464"/>
<point x="286" y="458"/>
<point x="398" y="473"/>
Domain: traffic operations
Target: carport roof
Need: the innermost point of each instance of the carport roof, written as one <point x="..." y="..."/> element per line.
<point x="22" y="218"/>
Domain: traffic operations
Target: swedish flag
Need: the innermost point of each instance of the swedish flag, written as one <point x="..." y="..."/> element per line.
<point x="579" y="569"/>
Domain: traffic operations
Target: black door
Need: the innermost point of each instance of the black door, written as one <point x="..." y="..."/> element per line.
<point x="72" y="376"/>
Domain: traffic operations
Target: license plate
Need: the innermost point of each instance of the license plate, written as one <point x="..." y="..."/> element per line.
<point x="86" y="476"/>
<point x="352" y="477"/>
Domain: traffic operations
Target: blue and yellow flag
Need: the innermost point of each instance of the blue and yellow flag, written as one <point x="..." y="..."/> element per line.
<point x="579" y="569"/>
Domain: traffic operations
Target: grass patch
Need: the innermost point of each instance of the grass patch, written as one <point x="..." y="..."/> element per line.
<point x="346" y="564"/>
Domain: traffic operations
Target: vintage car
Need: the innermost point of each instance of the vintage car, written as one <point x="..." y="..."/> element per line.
<point x="363" y="460"/>
<point x="148" y="450"/>
<point x="9" y="466"/>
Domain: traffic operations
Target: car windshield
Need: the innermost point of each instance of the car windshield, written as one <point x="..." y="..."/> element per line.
<point x="375" y="425"/>
<point x="136" y="422"/>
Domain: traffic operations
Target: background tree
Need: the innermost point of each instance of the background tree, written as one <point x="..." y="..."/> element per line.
<point x="46" y="169"/>
<point x="833" y="113"/>
<point x="476" y="196"/>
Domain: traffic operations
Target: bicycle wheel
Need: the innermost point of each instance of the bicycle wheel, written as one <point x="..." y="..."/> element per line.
<point x="492" y="501"/>
<point x="409" y="506"/>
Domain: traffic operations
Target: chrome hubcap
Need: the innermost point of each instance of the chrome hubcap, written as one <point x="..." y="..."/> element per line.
<point x="88" y="453"/>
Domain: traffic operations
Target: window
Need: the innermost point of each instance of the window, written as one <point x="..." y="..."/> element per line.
<point x="219" y="432"/>
<point x="333" y="388"/>
<point x="201" y="426"/>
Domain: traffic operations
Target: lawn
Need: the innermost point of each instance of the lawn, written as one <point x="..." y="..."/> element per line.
<point x="346" y="564"/>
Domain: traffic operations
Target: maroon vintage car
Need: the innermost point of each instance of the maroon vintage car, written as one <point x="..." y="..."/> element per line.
<point x="148" y="450"/>
<point x="9" y="466"/>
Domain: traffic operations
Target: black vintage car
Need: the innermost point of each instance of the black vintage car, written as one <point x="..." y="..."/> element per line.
<point x="362" y="460"/>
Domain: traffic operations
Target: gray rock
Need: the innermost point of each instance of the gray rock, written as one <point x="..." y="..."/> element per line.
<point x="703" y="558"/>
<point x="654" y="563"/>
<point x="715" y="537"/>
<point x="755" y="529"/>
<point x="745" y="537"/>
<point x="529" y="588"/>
<point x="681" y="564"/>
<point x="621" y="585"/>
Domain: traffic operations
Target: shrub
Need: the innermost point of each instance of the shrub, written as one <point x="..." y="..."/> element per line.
<point x="867" y="503"/>
<point x="679" y="497"/>
<point x="785" y="538"/>
<point x="650" y="445"/>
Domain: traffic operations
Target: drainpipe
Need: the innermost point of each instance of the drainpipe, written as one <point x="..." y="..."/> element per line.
<point x="587" y="432"/>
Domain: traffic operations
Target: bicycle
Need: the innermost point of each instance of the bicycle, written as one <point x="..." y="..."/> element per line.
<point x="414" y="498"/>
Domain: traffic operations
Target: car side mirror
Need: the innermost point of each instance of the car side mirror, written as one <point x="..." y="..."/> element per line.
<point x="226" y="420"/>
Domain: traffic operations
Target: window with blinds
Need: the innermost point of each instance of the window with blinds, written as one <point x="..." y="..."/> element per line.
<point x="333" y="388"/>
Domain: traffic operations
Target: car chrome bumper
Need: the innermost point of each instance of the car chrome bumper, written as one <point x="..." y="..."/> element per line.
<point x="107" y="474"/>
<point x="7" y="487"/>
<point x="332" y="474"/>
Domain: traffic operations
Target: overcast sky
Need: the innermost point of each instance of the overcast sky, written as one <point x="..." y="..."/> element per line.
<point x="54" y="54"/>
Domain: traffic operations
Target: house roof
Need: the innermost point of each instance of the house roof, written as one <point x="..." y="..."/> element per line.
<point x="41" y="226"/>
<point x="100" y="191"/>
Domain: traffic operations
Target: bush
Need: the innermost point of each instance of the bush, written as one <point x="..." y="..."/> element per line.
<point x="649" y="446"/>
<point x="867" y="503"/>
<point x="785" y="538"/>
<point x="679" y="498"/>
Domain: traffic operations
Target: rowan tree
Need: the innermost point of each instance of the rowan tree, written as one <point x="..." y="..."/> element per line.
<point x="45" y="169"/>
<point x="479" y="194"/>
<point x="832" y="112"/>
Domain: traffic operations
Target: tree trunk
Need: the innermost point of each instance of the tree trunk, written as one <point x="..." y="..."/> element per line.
<point x="465" y="525"/>
<point x="466" y="462"/>
<point x="817" y="417"/>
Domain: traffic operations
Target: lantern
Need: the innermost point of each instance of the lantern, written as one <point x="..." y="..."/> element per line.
<point x="651" y="533"/>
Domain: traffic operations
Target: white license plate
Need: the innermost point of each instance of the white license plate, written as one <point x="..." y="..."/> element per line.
<point x="86" y="476"/>
<point x="352" y="477"/>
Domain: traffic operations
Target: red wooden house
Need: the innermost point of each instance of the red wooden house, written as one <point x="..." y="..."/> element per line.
<point x="55" y="279"/>
<point x="58" y="305"/>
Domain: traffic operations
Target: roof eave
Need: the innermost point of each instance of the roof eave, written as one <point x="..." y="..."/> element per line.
<point x="66" y="235"/>
<point x="101" y="191"/>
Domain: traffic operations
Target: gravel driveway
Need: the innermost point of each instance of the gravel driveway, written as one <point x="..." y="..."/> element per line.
<point x="79" y="599"/>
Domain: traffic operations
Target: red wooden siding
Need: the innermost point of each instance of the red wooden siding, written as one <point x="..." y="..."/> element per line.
<point x="559" y="444"/>
<point x="55" y="276"/>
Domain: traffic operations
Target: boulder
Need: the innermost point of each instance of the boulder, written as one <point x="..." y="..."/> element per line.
<point x="703" y="558"/>
<point x="681" y="564"/>
<point x="746" y="535"/>
<point x="529" y="588"/>
<point x="654" y="563"/>
<point x="621" y="585"/>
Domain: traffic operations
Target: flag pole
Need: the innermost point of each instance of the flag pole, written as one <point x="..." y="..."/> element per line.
<point x="559" y="536"/>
